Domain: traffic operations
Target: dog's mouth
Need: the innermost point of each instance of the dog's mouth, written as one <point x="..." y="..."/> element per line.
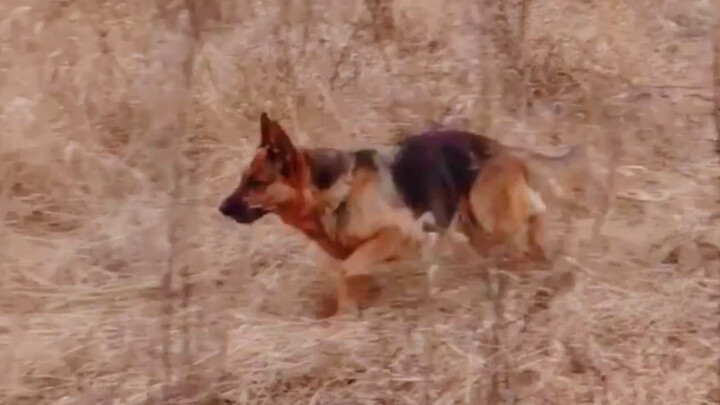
<point x="241" y="212"/>
<point x="250" y="216"/>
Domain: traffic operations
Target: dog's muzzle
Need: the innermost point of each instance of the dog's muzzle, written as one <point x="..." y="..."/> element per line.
<point x="240" y="211"/>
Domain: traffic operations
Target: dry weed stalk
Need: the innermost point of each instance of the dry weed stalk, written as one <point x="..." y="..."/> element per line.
<point x="382" y="19"/>
<point x="716" y="93"/>
<point x="183" y="182"/>
<point x="716" y="72"/>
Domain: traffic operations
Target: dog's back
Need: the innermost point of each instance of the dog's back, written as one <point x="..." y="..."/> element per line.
<point x="434" y="170"/>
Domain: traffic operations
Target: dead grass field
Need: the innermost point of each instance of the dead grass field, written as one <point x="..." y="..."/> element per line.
<point x="125" y="123"/>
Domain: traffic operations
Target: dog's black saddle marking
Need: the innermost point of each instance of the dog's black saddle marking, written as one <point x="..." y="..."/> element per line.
<point x="433" y="170"/>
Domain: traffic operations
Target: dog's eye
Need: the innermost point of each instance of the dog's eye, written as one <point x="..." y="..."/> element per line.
<point x="272" y="154"/>
<point x="255" y="183"/>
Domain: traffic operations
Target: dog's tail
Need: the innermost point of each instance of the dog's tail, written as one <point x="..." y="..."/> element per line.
<point x="571" y="165"/>
<point x="571" y="155"/>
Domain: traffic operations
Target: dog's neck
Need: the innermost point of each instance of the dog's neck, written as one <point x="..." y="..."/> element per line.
<point x="318" y="172"/>
<point x="311" y="225"/>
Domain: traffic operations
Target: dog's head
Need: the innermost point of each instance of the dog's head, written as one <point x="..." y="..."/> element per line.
<point x="271" y="181"/>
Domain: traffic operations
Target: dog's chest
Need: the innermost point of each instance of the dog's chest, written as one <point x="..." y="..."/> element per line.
<point x="361" y="204"/>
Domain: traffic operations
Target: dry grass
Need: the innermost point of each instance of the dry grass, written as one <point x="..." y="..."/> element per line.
<point x="124" y="123"/>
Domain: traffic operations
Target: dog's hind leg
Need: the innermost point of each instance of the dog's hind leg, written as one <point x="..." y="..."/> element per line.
<point x="508" y="213"/>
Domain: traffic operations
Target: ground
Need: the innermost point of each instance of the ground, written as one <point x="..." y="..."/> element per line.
<point x="125" y="124"/>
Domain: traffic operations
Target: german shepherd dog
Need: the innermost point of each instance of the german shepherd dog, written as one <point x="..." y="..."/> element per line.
<point x="370" y="206"/>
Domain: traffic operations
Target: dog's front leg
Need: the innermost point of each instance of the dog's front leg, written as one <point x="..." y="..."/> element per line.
<point x="354" y="283"/>
<point x="349" y="291"/>
<point x="341" y="302"/>
<point x="337" y="303"/>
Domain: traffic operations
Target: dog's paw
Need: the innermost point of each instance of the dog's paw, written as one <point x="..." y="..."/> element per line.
<point x="363" y="288"/>
<point x="327" y="308"/>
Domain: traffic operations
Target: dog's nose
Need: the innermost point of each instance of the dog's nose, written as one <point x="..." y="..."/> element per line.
<point x="225" y="208"/>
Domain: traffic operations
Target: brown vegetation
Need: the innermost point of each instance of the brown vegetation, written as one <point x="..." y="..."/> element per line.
<point x="124" y="123"/>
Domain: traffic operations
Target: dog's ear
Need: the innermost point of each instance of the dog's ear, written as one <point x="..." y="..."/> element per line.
<point x="279" y="146"/>
<point x="265" y="127"/>
<point x="273" y="135"/>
